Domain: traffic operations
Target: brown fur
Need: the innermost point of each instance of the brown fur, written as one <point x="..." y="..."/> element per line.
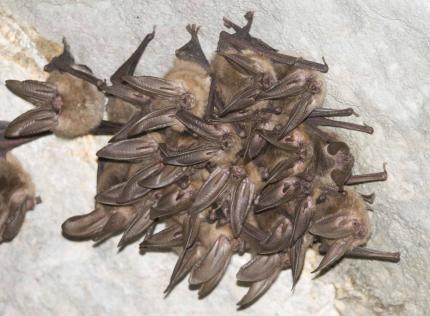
<point x="194" y="79"/>
<point x="16" y="188"/>
<point x="83" y="105"/>
<point x="230" y="81"/>
<point x="119" y="111"/>
<point x="14" y="180"/>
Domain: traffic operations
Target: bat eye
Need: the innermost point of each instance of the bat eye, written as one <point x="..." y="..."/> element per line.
<point x="322" y="198"/>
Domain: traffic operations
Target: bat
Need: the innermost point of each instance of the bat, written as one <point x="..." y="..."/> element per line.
<point x="17" y="190"/>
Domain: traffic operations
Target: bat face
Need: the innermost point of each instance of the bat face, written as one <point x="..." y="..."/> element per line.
<point x="227" y="154"/>
<point x="195" y="80"/>
<point x="82" y="108"/>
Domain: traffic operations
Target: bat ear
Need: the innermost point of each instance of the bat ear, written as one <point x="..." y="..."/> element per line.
<point x="85" y="226"/>
<point x="299" y="113"/>
<point x="335" y="252"/>
<point x="119" y="220"/>
<point x="17" y="210"/>
<point x="128" y="150"/>
<point x="211" y="189"/>
<point x="110" y="196"/>
<point x="279" y="238"/>
<point x="127" y="94"/>
<point x="241" y="203"/>
<point x="258" y="288"/>
<point x="259" y="268"/>
<point x="302" y="219"/>
<point x="333" y="226"/>
<point x="38" y="93"/>
<point x="187" y="259"/>
<point x="33" y="122"/>
<point x="240" y="63"/>
<point x="297" y="256"/>
<point x="137" y="227"/>
<point x="8" y="144"/>
<point x="166" y="239"/>
<point x="213" y="262"/>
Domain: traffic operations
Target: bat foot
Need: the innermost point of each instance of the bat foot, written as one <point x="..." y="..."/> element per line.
<point x="192" y="51"/>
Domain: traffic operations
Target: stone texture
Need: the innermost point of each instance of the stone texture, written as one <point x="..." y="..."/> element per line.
<point x="378" y="54"/>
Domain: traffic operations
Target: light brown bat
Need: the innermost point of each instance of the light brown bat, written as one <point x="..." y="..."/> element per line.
<point x="68" y="103"/>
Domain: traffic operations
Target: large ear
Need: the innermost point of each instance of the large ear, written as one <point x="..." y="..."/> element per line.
<point x="107" y="128"/>
<point x="258" y="288"/>
<point x="39" y="93"/>
<point x="279" y="238"/>
<point x="9" y="144"/>
<point x="335" y="252"/>
<point x="167" y="238"/>
<point x="213" y="262"/>
<point x="85" y="226"/>
<point x="210" y="190"/>
<point x="333" y="226"/>
<point x="302" y="219"/>
<point x="129" y="150"/>
<point x="187" y="259"/>
<point x="259" y="268"/>
<point x="281" y="192"/>
<point x="36" y="121"/>
<point x="297" y="256"/>
<point x="241" y="203"/>
<point x="15" y="219"/>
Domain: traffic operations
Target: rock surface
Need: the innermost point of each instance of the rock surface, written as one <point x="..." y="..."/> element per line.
<point x="378" y="55"/>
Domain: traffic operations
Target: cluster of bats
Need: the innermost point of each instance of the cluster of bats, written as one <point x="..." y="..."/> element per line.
<point x="227" y="155"/>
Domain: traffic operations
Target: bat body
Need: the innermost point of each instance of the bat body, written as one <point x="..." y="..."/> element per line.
<point x="67" y="105"/>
